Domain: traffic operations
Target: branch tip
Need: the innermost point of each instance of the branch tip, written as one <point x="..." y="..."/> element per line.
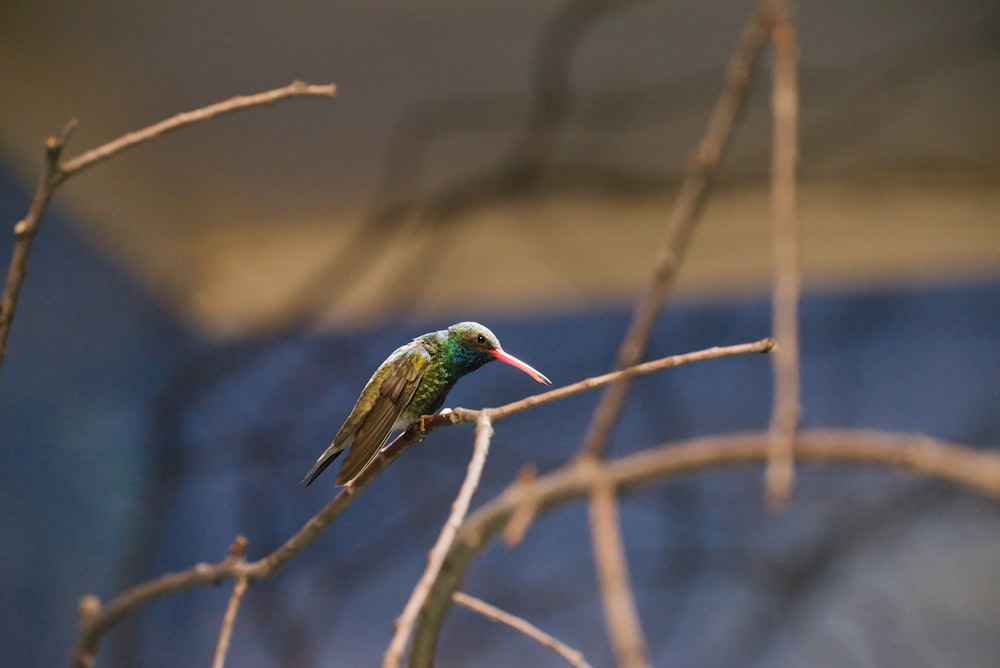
<point x="88" y="608"/>
<point x="238" y="550"/>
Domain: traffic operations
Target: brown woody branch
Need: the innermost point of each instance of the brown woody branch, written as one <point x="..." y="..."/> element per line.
<point x="684" y="215"/>
<point x="238" y="550"/>
<point x="780" y="472"/>
<point x="620" y="614"/>
<point x="978" y="470"/>
<point x="96" y="620"/>
<point x="573" y="657"/>
<point x="459" y="509"/>
<point x="55" y="173"/>
<point x="616" y="593"/>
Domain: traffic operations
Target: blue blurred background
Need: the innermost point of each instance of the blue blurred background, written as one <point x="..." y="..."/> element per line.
<point x="201" y="313"/>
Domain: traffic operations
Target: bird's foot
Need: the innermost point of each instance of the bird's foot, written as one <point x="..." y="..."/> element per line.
<point x="425" y="421"/>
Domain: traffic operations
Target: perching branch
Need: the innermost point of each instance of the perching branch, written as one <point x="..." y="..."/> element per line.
<point x="96" y="620"/>
<point x="780" y="473"/>
<point x="573" y="657"/>
<point x="459" y="509"/>
<point x="978" y="470"/>
<point x="55" y="173"/>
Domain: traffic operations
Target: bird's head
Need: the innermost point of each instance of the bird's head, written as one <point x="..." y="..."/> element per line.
<point x="483" y="344"/>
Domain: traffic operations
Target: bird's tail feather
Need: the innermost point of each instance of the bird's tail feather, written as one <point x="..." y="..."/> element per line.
<point x="321" y="465"/>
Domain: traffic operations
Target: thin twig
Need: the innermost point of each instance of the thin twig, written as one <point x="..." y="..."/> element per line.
<point x="25" y="231"/>
<point x="763" y="346"/>
<point x="96" y="620"/>
<point x="236" y="103"/>
<point x="238" y="552"/>
<point x="780" y="474"/>
<point x="572" y="656"/>
<point x="611" y="564"/>
<point x="228" y="621"/>
<point x="977" y="470"/>
<point x="459" y="509"/>
<point x="55" y="174"/>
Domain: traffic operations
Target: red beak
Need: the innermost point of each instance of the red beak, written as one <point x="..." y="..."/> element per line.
<point x="518" y="364"/>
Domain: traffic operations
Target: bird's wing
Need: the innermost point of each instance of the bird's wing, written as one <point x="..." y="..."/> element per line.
<point x="395" y="392"/>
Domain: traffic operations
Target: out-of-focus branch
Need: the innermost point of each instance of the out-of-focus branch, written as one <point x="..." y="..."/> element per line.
<point x="96" y="620"/>
<point x="459" y="509"/>
<point x="572" y="656"/>
<point x="54" y="173"/>
<point x="978" y="470"/>
<point x="620" y="611"/>
<point x="683" y="216"/>
<point x="780" y="474"/>
<point x="25" y="230"/>
<point x="620" y="614"/>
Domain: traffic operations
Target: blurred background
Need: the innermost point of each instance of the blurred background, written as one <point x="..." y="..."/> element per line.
<point x="202" y="311"/>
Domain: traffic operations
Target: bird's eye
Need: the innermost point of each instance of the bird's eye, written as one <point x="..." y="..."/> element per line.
<point x="481" y="339"/>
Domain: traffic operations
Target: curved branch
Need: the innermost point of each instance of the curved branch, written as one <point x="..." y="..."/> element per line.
<point x="55" y="173"/>
<point x="235" y="103"/>
<point x="684" y="215"/>
<point x="978" y="470"/>
<point x="96" y="621"/>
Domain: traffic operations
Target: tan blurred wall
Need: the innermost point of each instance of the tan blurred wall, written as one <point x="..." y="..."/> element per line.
<point x="418" y="192"/>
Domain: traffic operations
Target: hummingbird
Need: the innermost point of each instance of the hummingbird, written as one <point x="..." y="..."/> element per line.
<point x="413" y="381"/>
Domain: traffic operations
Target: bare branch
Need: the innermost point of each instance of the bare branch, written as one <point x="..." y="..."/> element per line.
<point x="780" y="475"/>
<point x="95" y="621"/>
<point x="716" y="352"/>
<point x="55" y="173"/>
<point x="405" y="622"/>
<point x="572" y="656"/>
<point x="238" y="550"/>
<point x="621" y="616"/>
<point x="228" y="620"/>
<point x="625" y="630"/>
<point x="978" y="470"/>
<point x="25" y="231"/>
<point x="683" y="217"/>
<point x="236" y="103"/>
<point x="517" y="528"/>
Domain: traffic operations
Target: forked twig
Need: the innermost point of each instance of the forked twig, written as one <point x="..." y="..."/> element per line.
<point x="96" y="620"/>
<point x="55" y="173"/>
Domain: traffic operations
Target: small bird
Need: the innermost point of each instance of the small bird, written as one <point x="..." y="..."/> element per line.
<point x="413" y="381"/>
